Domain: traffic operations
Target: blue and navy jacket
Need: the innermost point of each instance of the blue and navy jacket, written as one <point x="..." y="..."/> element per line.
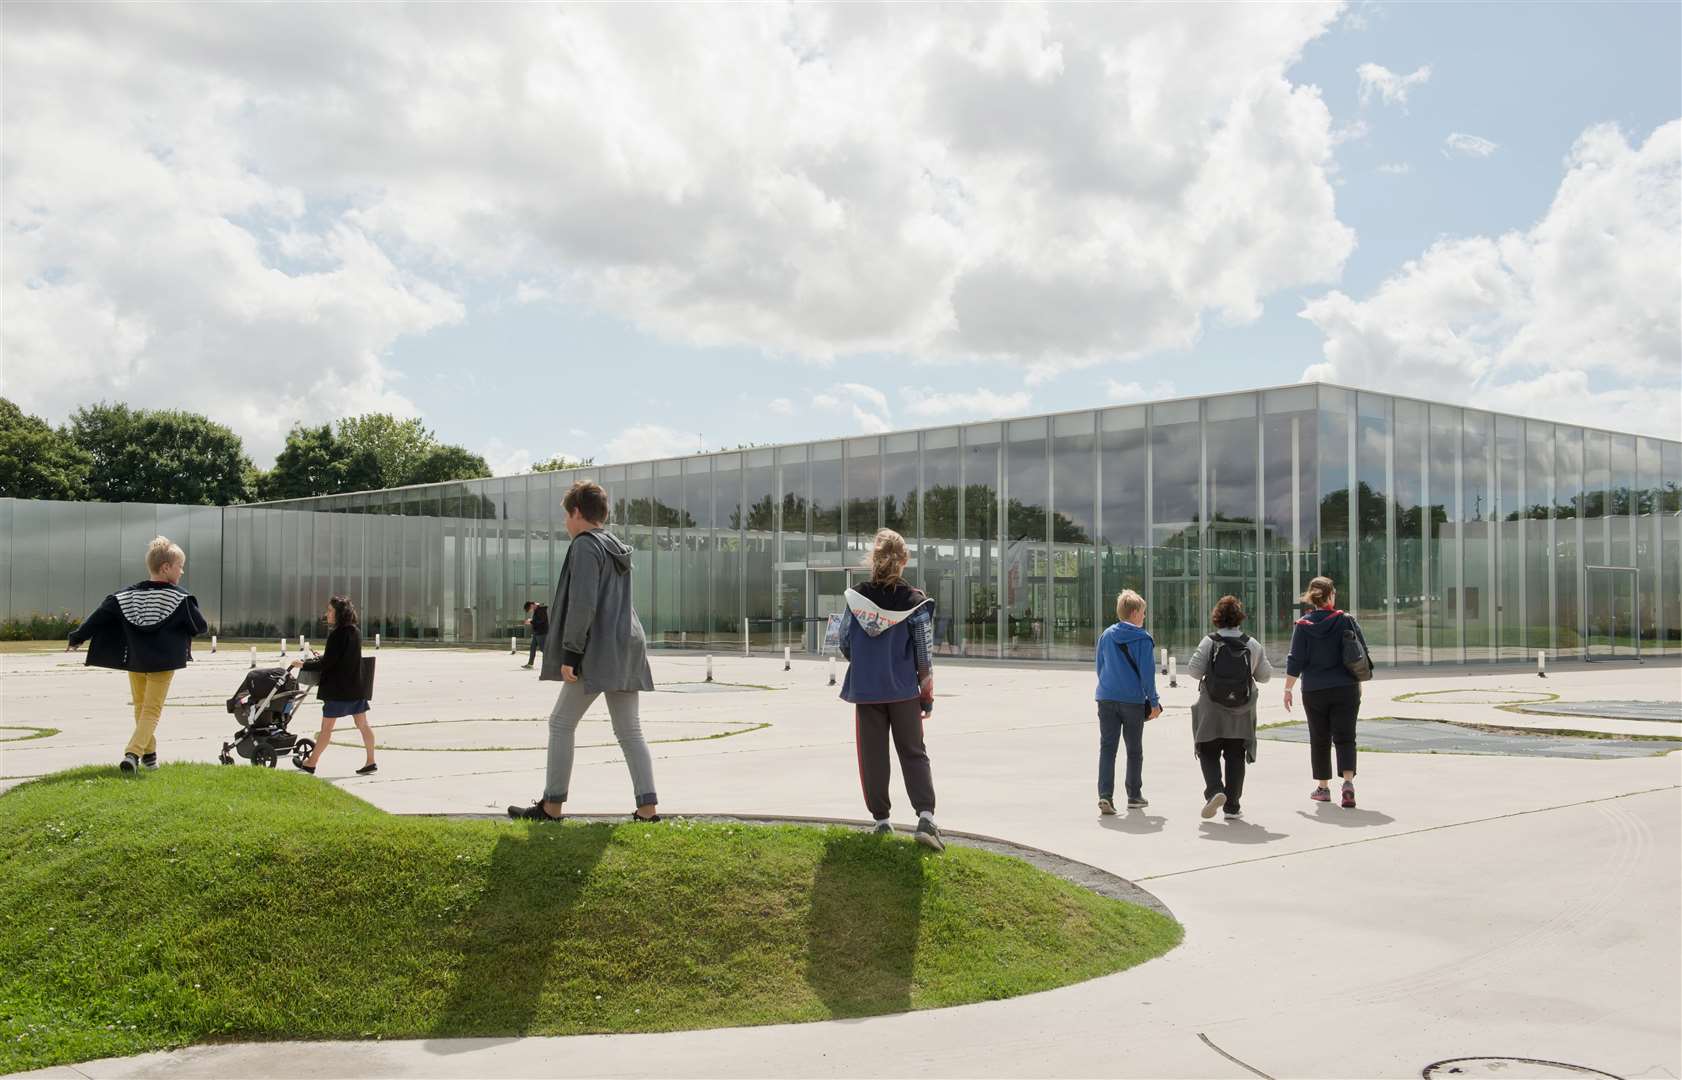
<point x="1119" y="680"/>
<point x="887" y="635"/>
<point x="1316" y="655"/>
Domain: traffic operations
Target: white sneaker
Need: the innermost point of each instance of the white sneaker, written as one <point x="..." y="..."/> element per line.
<point x="1216" y="801"/>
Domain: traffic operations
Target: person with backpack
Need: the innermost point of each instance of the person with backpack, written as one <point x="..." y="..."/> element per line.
<point x="1126" y="663"/>
<point x="1228" y="664"/>
<point x="342" y="689"/>
<point x="1329" y="654"/>
<point x="887" y="636"/>
<point x="537" y="617"/>
<point x="146" y="630"/>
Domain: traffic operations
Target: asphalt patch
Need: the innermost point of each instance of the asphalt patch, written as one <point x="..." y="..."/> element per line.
<point x="1442" y="737"/>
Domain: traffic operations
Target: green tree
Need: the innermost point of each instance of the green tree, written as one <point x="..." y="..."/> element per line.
<point x="442" y="462"/>
<point x="309" y="464"/>
<point x="396" y="447"/>
<point x="38" y="461"/>
<point x="561" y="461"/>
<point x="160" y="455"/>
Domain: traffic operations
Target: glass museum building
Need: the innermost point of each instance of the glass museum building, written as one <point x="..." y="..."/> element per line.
<point x="1454" y="534"/>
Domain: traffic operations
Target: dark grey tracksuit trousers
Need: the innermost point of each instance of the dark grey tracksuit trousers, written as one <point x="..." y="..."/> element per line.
<point x="872" y="725"/>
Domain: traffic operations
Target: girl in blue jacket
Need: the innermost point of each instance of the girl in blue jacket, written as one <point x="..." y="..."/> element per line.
<point x="1126" y="699"/>
<point x="887" y="636"/>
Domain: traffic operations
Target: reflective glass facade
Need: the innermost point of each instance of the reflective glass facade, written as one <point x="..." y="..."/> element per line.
<point x="1456" y="535"/>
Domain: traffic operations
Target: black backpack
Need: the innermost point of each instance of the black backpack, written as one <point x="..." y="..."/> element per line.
<point x="1228" y="681"/>
<point x="1355" y="658"/>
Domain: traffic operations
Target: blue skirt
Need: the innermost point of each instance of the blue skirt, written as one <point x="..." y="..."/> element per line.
<point x="335" y="709"/>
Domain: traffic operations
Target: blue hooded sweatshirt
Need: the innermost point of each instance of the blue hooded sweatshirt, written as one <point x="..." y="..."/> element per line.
<point x="1118" y="680"/>
<point x="887" y="633"/>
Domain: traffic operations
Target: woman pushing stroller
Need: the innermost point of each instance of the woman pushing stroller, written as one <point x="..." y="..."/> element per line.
<point x="341" y="691"/>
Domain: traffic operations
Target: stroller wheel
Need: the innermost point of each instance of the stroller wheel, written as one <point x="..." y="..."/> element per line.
<point x="225" y="759"/>
<point x="302" y="749"/>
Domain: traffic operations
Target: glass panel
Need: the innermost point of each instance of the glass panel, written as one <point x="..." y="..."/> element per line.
<point x="543" y="518"/>
<point x="1074" y="530"/>
<point x="1623" y="497"/>
<point x="1124" y="543"/>
<point x="697" y="550"/>
<point x="1597" y="478"/>
<point x="826" y="495"/>
<point x="1291" y="520"/>
<point x="1231" y="465"/>
<point x="864" y="496"/>
<point x="724" y="617"/>
<point x="1408" y="472"/>
<point x="939" y="507"/>
<point x="794" y="519"/>
<point x="66" y="539"/>
<point x="1333" y="447"/>
<point x="1372" y="514"/>
<point x="1538" y="530"/>
<point x="205" y="536"/>
<point x="6" y="564"/>
<point x="31" y="555"/>
<point x="1176" y="609"/>
<point x="1610" y="597"/>
<point x="980" y="561"/>
<point x="759" y="546"/>
<point x="492" y="560"/>
<point x="1509" y="551"/>
<point x="1027" y="539"/>
<point x="1443" y="548"/>
<point x="899" y="491"/>
<point x="1567" y="570"/>
<point x="669" y="521"/>
<point x="1477" y="551"/>
<point x="639" y="526"/>
<point x="1670" y="513"/>
<point x="1644" y="507"/>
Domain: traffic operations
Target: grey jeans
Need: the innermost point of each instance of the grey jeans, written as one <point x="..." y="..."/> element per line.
<point x="569" y="709"/>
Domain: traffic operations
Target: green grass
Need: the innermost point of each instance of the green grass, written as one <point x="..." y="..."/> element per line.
<point x="199" y="904"/>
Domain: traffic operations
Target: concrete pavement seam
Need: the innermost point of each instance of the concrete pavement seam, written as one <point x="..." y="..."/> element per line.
<point x="1210" y="1043"/>
<point x="1410" y="832"/>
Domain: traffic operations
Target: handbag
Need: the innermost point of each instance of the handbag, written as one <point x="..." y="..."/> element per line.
<point x="1356" y="661"/>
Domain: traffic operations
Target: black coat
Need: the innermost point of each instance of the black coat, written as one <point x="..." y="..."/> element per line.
<point x="148" y="626"/>
<point x="1316" y="655"/>
<point x="340" y="665"/>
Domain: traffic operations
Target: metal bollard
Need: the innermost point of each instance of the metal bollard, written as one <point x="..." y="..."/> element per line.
<point x="709" y="668"/>
<point x="303" y="645"/>
<point x="376" y="642"/>
<point x="746" y="651"/>
<point x="832" y="671"/>
<point x="253" y="656"/>
<point x="213" y="643"/>
<point x="511" y="649"/>
<point x="283" y="646"/>
<point x="683" y="639"/>
<point x="1172" y="679"/>
<point x="1162" y="660"/>
<point x="1541" y="664"/>
<point x="785" y="658"/>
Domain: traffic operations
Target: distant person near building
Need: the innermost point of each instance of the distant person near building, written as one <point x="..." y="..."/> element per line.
<point x="146" y="630"/>
<point x="537" y="617"/>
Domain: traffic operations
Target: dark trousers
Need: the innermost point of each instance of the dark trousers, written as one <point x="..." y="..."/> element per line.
<point x="1210" y="755"/>
<point x="1331" y="722"/>
<point x="872" y="724"/>
<point x="1120" y="721"/>
<point x="536" y="644"/>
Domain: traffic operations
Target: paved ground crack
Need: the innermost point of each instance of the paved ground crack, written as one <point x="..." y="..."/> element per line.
<point x="1210" y="1043"/>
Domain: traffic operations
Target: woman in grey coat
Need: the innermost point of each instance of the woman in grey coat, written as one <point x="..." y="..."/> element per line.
<point x="595" y="646"/>
<point x="1228" y="664"/>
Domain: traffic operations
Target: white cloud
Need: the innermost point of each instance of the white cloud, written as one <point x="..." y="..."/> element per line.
<point x="1395" y="168"/>
<point x="242" y="210"/>
<point x="928" y="402"/>
<point x="1460" y="144"/>
<point x="643" y="441"/>
<point x="780" y="407"/>
<point x="1117" y="391"/>
<point x="506" y="460"/>
<point x="1575" y="319"/>
<point x="1354" y="131"/>
<point x="867" y="405"/>
<point x="1391" y="88"/>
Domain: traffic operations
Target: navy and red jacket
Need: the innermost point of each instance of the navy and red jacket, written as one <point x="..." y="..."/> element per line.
<point x="887" y="636"/>
<point x="1317" y="649"/>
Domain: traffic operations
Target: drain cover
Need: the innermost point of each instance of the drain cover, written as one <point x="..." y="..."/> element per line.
<point x="1512" y="1068"/>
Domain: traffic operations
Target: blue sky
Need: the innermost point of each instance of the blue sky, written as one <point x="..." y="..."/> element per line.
<point x="476" y="252"/>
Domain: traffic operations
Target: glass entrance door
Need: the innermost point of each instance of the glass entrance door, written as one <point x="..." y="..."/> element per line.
<point x="1611" y="599"/>
<point x="825" y="596"/>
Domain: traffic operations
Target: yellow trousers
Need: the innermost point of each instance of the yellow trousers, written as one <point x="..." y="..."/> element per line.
<point x="149" y="689"/>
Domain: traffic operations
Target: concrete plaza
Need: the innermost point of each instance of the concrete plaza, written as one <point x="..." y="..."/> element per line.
<point x="1470" y="907"/>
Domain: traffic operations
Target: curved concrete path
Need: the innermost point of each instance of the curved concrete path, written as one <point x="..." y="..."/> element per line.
<point x="1469" y="907"/>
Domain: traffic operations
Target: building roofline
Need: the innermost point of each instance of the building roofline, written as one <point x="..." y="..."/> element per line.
<point x="1048" y="416"/>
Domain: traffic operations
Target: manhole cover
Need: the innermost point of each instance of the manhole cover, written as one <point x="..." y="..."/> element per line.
<point x="1513" y="1068"/>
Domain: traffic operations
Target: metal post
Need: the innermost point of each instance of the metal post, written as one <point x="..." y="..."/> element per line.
<point x="511" y="649"/>
<point x="283" y="646"/>
<point x="213" y="643"/>
<point x="746" y="650"/>
<point x="253" y="656"/>
<point x="709" y="668"/>
<point x="1541" y="663"/>
<point x="785" y="658"/>
<point x="376" y="641"/>
<point x="1173" y="679"/>
<point x="832" y="671"/>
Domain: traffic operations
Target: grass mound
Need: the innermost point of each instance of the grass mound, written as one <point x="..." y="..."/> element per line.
<point x="201" y="904"/>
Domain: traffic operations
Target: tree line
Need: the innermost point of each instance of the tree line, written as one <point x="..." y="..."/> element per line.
<point x="114" y="453"/>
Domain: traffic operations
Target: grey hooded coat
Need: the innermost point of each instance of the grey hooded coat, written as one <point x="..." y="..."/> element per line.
<point x="592" y="625"/>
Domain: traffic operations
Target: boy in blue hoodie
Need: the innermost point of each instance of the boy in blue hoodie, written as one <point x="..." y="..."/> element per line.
<point x="887" y="636"/>
<point x="1126" y="699"/>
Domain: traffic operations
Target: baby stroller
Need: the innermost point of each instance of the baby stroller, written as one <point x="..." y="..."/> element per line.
<point x="264" y="705"/>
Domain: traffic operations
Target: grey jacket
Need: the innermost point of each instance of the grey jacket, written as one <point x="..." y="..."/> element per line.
<point x="1210" y="721"/>
<point x="592" y="625"/>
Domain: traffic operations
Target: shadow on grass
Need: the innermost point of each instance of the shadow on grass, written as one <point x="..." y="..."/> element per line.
<point x="867" y="901"/>
<point x="511" y="931"/>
